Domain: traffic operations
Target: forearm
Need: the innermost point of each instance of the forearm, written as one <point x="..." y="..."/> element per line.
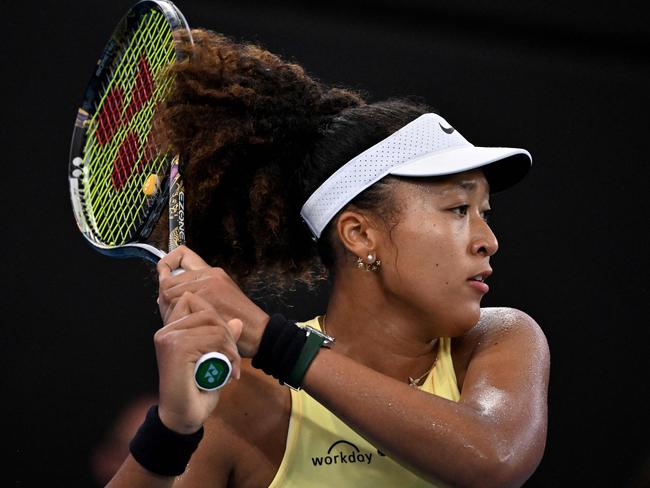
<point x="440" y="439"/>
<point x="132" y="475"/>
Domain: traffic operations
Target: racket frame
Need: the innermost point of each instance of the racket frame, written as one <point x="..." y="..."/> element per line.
<point x="137" y="247"/>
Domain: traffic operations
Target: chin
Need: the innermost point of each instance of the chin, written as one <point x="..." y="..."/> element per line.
<point x="464" y="319"/>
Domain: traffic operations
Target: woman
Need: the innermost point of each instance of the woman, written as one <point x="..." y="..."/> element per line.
<point x="422" y="387"/>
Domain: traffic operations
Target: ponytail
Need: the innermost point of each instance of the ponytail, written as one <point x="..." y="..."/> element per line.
<point x="256" y="136"/>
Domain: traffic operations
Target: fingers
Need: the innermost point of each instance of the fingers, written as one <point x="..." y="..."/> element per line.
<point x="196" y="328"/>
<point x="236" y="326"/>
<point x="180" y="258"/>
<point x="172" y="286"/>
<point x="194" y="342"/>
<point x="193" y="328"/>
<point x="217" y="288"/>
<point x="186" y="305"/>
<point x="207" y="282"/>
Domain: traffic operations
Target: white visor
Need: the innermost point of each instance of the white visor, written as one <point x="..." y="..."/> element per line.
<point x="427" y="146"/>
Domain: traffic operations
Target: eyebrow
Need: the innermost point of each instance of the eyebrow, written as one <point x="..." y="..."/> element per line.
<point x="448" y="184"/>
<point x="468" y="185"/>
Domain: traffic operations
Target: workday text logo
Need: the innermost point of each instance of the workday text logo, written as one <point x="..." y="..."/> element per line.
<point x="343" y="452"/>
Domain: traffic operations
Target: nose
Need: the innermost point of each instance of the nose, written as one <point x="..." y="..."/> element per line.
<point x="484" y="242"/>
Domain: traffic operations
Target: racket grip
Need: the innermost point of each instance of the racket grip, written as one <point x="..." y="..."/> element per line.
<point x="212" y="371"/>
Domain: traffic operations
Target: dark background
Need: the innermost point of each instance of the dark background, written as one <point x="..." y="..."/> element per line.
<point x="566" y="80"/>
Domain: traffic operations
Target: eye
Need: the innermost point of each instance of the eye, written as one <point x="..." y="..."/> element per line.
<point x="461" y="210"/>
<point x="486" y="214"/>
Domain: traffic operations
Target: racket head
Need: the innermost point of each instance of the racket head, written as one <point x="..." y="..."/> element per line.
<point x="119" y="180"/>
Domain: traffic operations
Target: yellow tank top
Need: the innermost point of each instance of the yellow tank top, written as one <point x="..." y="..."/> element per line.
<point x="322" y="451"/>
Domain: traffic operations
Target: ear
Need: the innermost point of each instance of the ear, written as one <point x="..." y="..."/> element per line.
<point x="358" y="233"/>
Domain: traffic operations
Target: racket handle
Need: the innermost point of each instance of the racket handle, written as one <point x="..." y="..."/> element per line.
<point x="212" y="371"/>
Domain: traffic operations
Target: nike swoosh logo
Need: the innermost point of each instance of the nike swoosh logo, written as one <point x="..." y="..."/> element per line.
<point x="448" y="130"/>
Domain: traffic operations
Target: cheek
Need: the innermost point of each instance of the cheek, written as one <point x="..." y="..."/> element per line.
<point x="427" y="256"/>
<point x="427" y="273"/>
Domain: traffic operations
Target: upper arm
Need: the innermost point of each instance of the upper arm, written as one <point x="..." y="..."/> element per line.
<point x="506" y="382"/>
<point x="214" y="462"/>
<point x="244" y="437"/>
<point x="211" y="463"/>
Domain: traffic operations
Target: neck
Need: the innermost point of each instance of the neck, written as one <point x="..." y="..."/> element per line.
<point x="376" y="332"/>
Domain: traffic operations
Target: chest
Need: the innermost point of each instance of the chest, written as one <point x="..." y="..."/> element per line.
<point x="321" y="450"/>
<point x="260" y="440"/>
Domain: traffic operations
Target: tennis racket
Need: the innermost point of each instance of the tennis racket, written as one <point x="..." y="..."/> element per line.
<point x="120" y="182"/>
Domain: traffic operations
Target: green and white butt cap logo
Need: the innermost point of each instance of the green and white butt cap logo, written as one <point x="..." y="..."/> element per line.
<point x="212" y="371"/>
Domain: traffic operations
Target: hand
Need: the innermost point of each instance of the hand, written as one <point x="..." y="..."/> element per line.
<point x="193" y="329"/>
<point x="217" y="288"/>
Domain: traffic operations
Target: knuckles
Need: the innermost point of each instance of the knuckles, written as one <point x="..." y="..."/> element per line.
<point x="217" y="277"/>
<point x="166" y="339"/>
<point x="178" y="340"/>
<point x="166" y="295"/>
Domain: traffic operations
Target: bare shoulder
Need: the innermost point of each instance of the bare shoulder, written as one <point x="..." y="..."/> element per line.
<point x="505" y="379"/>
<point x="496" y="322"/>
<point x="245" y="436"/>
<point x="496" y="325"/>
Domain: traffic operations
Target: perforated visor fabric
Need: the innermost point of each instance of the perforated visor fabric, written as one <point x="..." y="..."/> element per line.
<point x="427" y="146"/>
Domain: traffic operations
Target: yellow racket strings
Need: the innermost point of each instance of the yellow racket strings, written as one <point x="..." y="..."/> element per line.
<point x="118" y="154"/>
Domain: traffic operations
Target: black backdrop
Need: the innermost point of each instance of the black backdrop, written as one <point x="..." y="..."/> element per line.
<point x="567" y="82"/>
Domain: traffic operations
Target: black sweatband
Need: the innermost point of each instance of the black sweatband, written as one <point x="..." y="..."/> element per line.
<point x="161" y="450"/>
<point x="279" y="348"/>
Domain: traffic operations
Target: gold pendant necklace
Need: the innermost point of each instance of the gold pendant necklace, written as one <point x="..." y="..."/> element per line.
<point x="414" y="382"/>
<point x="417" y="382"/>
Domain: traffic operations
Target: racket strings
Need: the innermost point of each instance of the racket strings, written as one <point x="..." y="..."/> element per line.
<point x="130" y="127"/>
<point x="119" y="150"/>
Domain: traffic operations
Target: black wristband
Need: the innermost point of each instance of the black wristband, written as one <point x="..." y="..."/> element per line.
<point x="279" y="348"/>
<point x="161" y="450"/>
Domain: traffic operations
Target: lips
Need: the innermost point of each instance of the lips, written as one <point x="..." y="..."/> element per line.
<point x="477" y="281"/>
<point x="481" y="276"/>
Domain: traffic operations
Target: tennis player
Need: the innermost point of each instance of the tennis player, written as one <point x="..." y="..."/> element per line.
<point x="405" y="381"/>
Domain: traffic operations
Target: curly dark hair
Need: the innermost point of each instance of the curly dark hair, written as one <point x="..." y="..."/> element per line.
<point x="257" y="136"/>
